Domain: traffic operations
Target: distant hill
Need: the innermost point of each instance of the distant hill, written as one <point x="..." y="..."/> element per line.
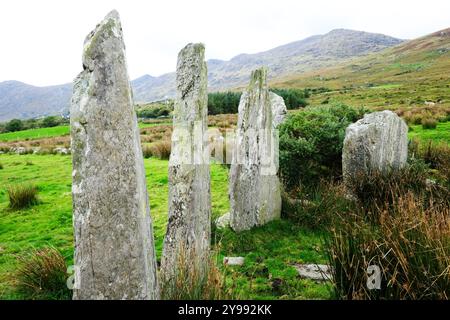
<point x="311" y="53"/>
<point x="19" y="100"/>
<point x="413" y="73"/>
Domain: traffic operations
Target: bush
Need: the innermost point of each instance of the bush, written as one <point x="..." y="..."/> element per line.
<point x="429" y="123"/>
<point x="22" y="196"/>
<point x="50" y="121"/>
<point x="154" y="112"/>
<point x="410" y="245"/>
<point x="14" y="125"/>
<point x="42" y="274"/>
<point x="311" y="144"/>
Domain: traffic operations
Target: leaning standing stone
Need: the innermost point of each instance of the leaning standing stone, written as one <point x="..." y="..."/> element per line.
<point x="255" y="195"/>
<point x="187" y="240"/>
<point x="114" y="249"/>
<point x="378" y="142"/>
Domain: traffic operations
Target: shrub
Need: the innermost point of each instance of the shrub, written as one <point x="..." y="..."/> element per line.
<point x="22" y="196"/>
<point x="154" y="112"/>
<point x="14" y="125"/>
<point x="42" y="274"/>
<point x="410" y="245"/>
<point x="50" y="121"/>
<point x="429" y="123"/>
<point x="311" y="143"/>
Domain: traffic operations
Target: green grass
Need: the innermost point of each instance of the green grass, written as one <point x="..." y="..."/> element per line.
<point x="35" y="133"/>
<point x="440" y="134"/>
<point x="58" y="131"/>
<point x="269" y="250"/>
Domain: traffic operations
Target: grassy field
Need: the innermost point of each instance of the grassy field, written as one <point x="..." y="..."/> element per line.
<point x="270" y="251"/>
<point x="408" y="75"/>
<point x="58" y="131"/>
<point x="440" y="134"/>
<point x="35" y="133"/>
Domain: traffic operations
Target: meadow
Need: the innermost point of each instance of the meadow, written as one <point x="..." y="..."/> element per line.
<point x="270" y="251"/>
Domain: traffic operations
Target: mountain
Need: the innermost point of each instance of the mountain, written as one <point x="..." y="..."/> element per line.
<point x="311" y="53"/>
<point x="20" y="100"/>
<point x="413" y="73"/>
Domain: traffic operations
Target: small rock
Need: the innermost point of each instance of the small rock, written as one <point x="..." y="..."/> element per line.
<point x="61" y="150"/>
<point x="319" y="272"/>
<point x="233" y="261"/>
<point x="19" y="150"/>
<point x="223" y="221"/>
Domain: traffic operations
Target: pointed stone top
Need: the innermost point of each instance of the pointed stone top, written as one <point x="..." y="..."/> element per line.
<point x="258" y="78"/>
<point x="114" y="14"/>
<point x="192" y="49"/>
<point x="97" y="40"/>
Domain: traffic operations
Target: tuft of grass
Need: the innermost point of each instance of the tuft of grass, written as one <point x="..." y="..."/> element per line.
<point x="315" y="206"/>
<point x="429" y="123"/>
<point x="22" y="196"/>
<point x="161" y="149"/>
<point x="1" y="166"/>
<point x="42" y="274"/>
<point x="194" y="282"/>
<point x="409" y="242"/>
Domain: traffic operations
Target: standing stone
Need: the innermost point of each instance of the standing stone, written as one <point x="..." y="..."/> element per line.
<point x="379" y="142"/>
<point x="279" y="109"/>
<point x="255" y="195"/>
<point x="187" y="240"/>
<point x="114" y="249"/>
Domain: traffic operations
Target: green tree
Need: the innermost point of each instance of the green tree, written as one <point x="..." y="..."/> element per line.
<point x="14" y="125"/>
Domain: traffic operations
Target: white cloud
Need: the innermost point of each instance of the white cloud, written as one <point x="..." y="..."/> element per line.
<point x="42" y="40"/>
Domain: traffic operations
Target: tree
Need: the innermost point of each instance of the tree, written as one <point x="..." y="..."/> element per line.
<point x="14" y="125"/>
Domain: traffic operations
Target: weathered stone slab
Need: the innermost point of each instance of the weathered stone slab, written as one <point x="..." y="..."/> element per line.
<point x="279" y="109"/>
<point x="254" y="190"/>
<point x="318" y="272"/>
<point x="379" y="142"/>
<point x="114" y="249"/>
<point x="223" y="221"/>
<point x="189" y="227"/>
<point x="233" y="261"/>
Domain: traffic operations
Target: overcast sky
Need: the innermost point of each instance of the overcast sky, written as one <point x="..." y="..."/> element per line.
<point x="41" y="40"/>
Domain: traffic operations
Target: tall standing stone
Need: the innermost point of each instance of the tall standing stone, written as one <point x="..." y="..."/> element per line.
<point x="189" y="227"/>
<point x="254" y="190"/>
<point x="379" y="142"/>
<point x="114" y="249"/>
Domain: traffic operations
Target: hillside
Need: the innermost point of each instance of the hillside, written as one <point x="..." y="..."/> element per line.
<point x="309" y="54"/>
<point x="20" y="100"/>
<point x="414" y="73"/>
